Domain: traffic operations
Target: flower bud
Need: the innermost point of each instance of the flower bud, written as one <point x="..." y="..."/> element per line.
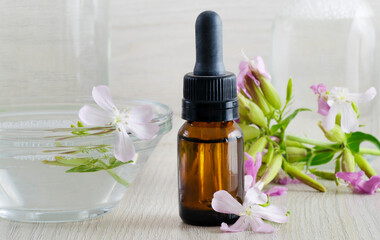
<point x="364" y="165"/>
<point x="243" y="114"/>
<point x="270" y="93"/>
<point x="257" y="96"/>
<point x="273" y="167"/>
<point x="322" y="174"/>
<point x="289" y="90"/>
<point x="334" y="135"/>
<point x="269" y="155"/>
<point x="303" y="177"/>
<point x="254" y="113"/>
<point x="296" y="154"/>
<point x="290" y="143"/>
<point x="257" y="146"/>
<point x="348" y="161"/>
<point x="250" y="132"/>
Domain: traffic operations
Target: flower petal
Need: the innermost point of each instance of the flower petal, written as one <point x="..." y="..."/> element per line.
<point x="102" y="97"/>
<point x="258" y="225"/>
<point x="243" y="66"/>
<point x="251" y="167"/>
<point x="272" y="213"/>
<point x="349" y="120"/>
<point x="319" y="89"/>
<point x="93" y="116"/>
<point x="363" y="97"/>
<point x="329" y="121"/>
<point x="240" y="225"/>
<point x="276" y="191"/>
<point x="124" y="149"/>
<point x="223" y="202"/>
<point x="371" y="185"/>
<point x="144" y="130"/>
<point x="248" y="182"/>
<point x="323" y="107"/>
<point x="352" y="177"/>
<point x="260" y="65"/>
<point x="255" y="196"/>
<point x="141" y="114"/>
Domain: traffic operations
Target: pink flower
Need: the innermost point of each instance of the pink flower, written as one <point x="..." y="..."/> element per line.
<point x="251" y="169"/>
<point x="276" y="191"/>
<point x="320" y="90"/>
<point x="358" y="185"/>
<point x="252" y="212"/>
<point x="253" y="68"/>
<point x="136" y="121"/>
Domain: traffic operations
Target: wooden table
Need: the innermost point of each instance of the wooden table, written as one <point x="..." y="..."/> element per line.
<point x="149" y="211"/>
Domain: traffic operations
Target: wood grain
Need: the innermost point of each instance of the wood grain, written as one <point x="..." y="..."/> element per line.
<point x="149" y="211"/>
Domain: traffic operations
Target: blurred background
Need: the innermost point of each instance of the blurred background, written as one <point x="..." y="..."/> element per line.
<point x="153" y="46"/>
<point x="153" y="41"/>
<point x="60" y="48"/>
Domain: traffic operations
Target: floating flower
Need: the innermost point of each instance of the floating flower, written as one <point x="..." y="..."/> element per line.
<point x="251" y="169"/>
<point x="320" y="90"/>
<point x="254" y="209"/>
<point x="340" y="100"/>
<point x="136" y="121"/>
<point x="358" y="185"/>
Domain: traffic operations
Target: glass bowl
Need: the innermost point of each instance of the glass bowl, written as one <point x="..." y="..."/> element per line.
<point x="34" y="133"/>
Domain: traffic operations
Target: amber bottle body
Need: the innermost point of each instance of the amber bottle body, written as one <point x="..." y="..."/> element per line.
<point x="210" y="158"/>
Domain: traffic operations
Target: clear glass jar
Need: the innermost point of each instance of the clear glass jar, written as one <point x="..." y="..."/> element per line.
<point x="324" y="41"/>
<point x="52" y="48"/>
<point x="35" y="188"/>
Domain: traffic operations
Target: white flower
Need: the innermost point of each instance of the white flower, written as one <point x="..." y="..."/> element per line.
<point x="340" y="100"/>
<point x="136" y="121"/>
<point x="252" y="212"/>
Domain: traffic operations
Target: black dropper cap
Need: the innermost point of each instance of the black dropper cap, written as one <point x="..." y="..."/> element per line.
<point x="209" y="93"/>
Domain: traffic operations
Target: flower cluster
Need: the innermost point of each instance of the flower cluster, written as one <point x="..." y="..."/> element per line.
<point x="290" y="159"/>
<point x="263" y="120"/>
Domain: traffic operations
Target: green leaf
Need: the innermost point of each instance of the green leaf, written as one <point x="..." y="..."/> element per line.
<point x="289" y="90"/>
<point x="355" y="139"/>
<point x="55" y="163"/>
<point x="80" y="124"/>
<point x="85" y="168"/>
<point x="118" y="163"/>
<point x="284" y="123"/>
<point x="322" y="157"/>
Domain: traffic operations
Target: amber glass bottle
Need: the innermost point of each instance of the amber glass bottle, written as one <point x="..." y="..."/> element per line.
<point x="210" y="159"/>
<point x="210" y="143"/>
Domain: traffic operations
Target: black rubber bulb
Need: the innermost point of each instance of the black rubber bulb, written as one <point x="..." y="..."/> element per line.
<point x="209" y="45"/>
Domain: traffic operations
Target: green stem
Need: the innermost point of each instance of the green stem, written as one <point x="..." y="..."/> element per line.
<point x="118" y="178"/>
<point x="370" y="151"/>
<point x="114" y="174"/>
<point x="313" y="142"/>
